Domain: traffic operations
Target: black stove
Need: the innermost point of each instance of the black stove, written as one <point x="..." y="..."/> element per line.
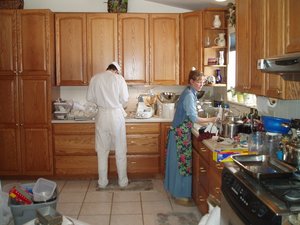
<point x="260" y="202"/>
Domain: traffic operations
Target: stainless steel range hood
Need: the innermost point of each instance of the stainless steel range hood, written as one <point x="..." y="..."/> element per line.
<point x="286" y="64"/>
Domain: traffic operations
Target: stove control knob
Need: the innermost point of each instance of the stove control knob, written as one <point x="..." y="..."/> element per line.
<point x="254" y="207"/>
<point x="261" y="211"/>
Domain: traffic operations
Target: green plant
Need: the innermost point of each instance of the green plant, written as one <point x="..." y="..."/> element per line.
<point x="231" y="14"/>
<point x="232" y="90"/>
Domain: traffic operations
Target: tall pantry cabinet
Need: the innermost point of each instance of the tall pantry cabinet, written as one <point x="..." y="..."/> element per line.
<point x="26" y="66"/>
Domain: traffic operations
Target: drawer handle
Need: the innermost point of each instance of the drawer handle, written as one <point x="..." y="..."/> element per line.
<point x="219" y="167"/>
<point x="132" y="142"/>
<point x="201" y="199"/>
<point x="131" y="128"/>
<point x="217" y="190"/>
<point x="202" y="170"/>
<point x="133" y="162"/>
<point x="203" y="149"/>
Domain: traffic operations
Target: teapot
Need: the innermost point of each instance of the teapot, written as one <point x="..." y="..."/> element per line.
<point x="220" y="40"/>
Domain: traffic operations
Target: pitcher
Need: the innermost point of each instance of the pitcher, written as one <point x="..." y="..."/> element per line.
<point x="220" y="40"/>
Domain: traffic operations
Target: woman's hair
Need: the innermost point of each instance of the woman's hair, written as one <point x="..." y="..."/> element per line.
<point x="195" y="75"/>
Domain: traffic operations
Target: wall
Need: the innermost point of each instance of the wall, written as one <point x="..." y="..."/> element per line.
<point x="98" y="6"/>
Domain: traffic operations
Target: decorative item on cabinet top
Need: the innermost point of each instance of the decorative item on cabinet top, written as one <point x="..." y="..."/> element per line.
<point x="117" y="6"/>
<point x="11" y="4"/>
<point x="217" y="21"/>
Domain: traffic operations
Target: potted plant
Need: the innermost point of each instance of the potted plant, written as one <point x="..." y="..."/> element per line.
<point x="231" y="14"/>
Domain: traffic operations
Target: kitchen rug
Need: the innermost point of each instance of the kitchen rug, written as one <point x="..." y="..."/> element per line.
<point x="134" y="185"/>
<point x="177" y="218"/>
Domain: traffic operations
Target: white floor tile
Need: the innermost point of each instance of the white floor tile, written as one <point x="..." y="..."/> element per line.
<point x="95" y="220"/>
<point x="126" y="220"/>
<point x="126" y="208"/>
<point x="156" y="207"/>
<point x="92" y="209"/>
<point x="68" y="197"/>
<point x="69" y="209"/>
<point x="76" y="186"/>
<point x="127" y="196"/>
<point x="98" y="196"/>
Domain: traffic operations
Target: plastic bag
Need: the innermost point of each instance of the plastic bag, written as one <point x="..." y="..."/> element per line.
<point x="5" y="213"/>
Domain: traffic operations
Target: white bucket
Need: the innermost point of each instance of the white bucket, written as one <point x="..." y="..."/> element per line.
<point x="168" y="110"/>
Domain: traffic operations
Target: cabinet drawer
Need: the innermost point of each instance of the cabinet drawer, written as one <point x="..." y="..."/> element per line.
<point x="201" y="200"/>
<point x="215" y="184"/>
<point x="74" y="144"/>
<point x="76" y="165"/>
<point x="86" y="128"/>
<point x="203" y="174"/>
<point x="138" y="164"/>
<point x="142" y="128"/>
<point x="201" y="148"/>
<point x="143" y="143"/>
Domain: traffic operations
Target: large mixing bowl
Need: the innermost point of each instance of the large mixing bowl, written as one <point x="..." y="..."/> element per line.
<point x="276" y="125"/>
<point x="168" y="97"/>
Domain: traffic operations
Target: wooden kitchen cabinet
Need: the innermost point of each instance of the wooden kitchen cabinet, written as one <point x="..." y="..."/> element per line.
<point x="86" y="43"/>
<point x="164" y="49"/>
<point x="292" y="32"/>
<point x="74" y="150"/>
<point x="276" y="85"/>
<point x="143" y="149"/>
<point x="26" y="42"/>
<point x="261" y="30"/>
<point x="250" y="29"/>
<point x="200" y="174"/>
<point x="165" y="127"/>
<point x="75" y="155"/>
<point x="206" y="176"/>
<point x="191" y="44"/>
<point x="134" y="47"/>
<point x="25" y="92"/>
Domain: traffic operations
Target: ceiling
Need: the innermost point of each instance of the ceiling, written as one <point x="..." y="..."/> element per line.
<point x="192" y="4"/>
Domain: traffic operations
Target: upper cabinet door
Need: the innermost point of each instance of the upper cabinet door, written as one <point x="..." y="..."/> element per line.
<point x="70" y="30"/>
<point x="101" y="42"/>
<point x="292" y="32"/>
<point x="34" y="51"/>
<point x="164" y="49"/>
<point x="191" y="44"/>
<point x="8" y="42"/>
<point x="250" y="30"/>
<point x="23" y="53"/>
<point x="134" y="47"/>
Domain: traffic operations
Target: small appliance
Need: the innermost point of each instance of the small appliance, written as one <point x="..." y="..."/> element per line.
<point x="143" y="111"/>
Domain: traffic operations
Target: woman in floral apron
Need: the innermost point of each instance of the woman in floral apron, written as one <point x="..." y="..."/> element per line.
<point x="178" y="174"/>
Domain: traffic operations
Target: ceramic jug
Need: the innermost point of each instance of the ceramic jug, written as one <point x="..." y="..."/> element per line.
<point x="220" y="40"/>
<point x="217" y="21"/>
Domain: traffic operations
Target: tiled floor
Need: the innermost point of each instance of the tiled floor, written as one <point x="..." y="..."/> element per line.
<point x="80" y="200"/>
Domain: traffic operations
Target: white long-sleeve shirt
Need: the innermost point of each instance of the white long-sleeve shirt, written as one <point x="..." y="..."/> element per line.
<point x="108" y="90"/>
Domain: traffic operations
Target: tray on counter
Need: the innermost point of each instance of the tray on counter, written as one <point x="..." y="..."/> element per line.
<point x="263" y="166"/>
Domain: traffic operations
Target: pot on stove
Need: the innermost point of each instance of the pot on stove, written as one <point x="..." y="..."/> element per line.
<point x="291" y="153"/>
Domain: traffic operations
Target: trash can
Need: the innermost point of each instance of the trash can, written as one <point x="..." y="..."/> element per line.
<point x="25" y="213"/>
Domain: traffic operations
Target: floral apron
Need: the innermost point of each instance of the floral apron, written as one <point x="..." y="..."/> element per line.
<point x="184" y="147"/>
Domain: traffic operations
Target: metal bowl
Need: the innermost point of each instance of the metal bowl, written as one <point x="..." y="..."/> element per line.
<point x="168" y="97"/>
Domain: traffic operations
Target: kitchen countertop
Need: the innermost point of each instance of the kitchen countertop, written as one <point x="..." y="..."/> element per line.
<point x="154" y="119"/>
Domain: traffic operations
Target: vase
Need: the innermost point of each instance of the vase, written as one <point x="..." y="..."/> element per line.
<point x="220" y="40"/>
<point x="217" y="21"/>
<point x="218" y="76"/>
<point x="221" y="58"/>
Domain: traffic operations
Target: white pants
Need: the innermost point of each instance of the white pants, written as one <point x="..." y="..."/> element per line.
<point x="111" y="132"/>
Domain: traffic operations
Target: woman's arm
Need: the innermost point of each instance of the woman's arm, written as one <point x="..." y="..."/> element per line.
<point x="207" y="120"/>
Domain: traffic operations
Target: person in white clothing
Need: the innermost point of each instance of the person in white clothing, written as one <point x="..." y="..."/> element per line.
<point x="109" y="91"/>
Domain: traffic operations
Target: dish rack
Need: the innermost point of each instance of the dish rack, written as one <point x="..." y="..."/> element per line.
<point x="62" y="109"/>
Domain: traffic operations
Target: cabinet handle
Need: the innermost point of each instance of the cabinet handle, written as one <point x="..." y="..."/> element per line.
<point x="217" y="190"/>
<point x="133" y="162"/>
<point x="132" y="142"/>
<point x="203" y="149"/>
<point x="17" y="124"/>
<point x="219" y="167"/>
<point x="15" y="72"/>
<point x="279" y="92"/>
<point x="201" y="199"/>
<point x="21" y="124"/>
<point x="131" y="128"/>
<point x="202" y="170"/>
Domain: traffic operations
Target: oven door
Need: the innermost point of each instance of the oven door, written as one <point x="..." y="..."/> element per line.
<point x="228" y="215"/>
